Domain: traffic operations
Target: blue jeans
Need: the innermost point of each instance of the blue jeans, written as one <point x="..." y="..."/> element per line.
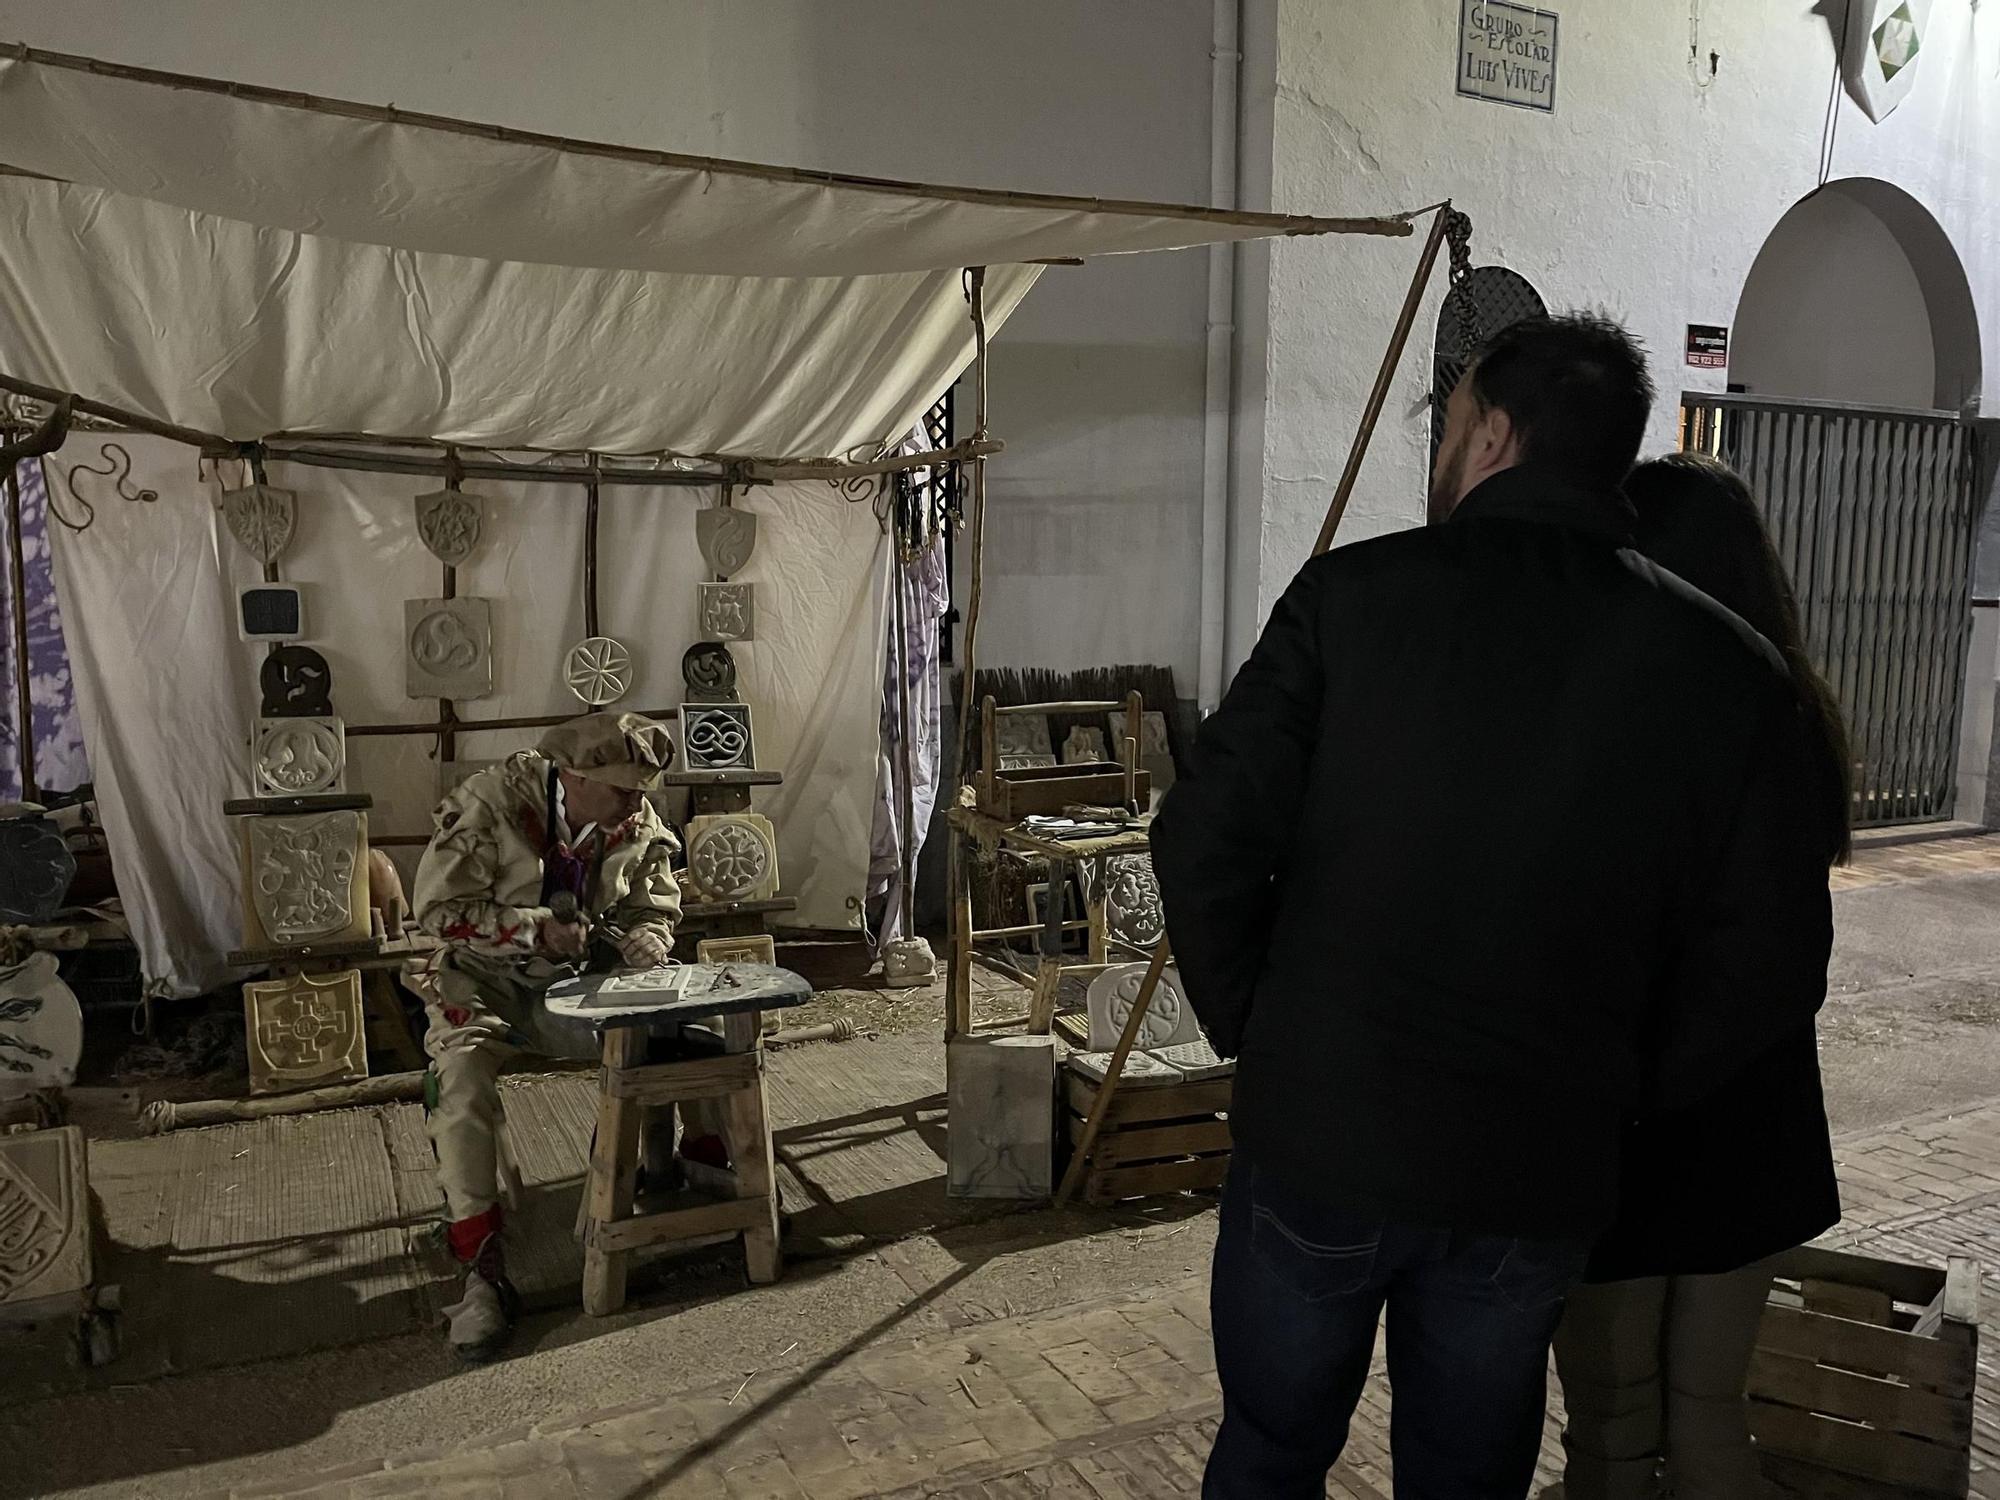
<point x="1299" y="1288"/>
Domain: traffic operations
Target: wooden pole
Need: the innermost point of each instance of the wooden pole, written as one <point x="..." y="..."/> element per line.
<point x="207" y="441"/>
<point x="958" y="980"/>
<point x="17" y="619"/>
<point x="590" y="551"/>
<point x="1384" y="377"/>
<point x="1101" y="1106"/>
<point x="908" y="852"/>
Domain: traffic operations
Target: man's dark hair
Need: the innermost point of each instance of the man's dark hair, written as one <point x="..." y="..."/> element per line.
<point x="1577" y="390"/>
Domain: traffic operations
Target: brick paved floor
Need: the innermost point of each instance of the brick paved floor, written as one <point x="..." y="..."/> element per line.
<point x="1934" y="860"/>
<point x="1104" y="1399"/>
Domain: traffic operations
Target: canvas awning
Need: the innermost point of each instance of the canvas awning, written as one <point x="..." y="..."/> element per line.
<point x="246" y="262"/>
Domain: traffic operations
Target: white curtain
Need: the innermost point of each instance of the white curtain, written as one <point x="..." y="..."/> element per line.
<point x="168" y="692"/>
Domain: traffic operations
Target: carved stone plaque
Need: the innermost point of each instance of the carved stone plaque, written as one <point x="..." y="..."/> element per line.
<point x="1132" y="910"/>
<point x="261" y="518"/>
<point x="36" y="868"/>
<point x="728" y="611"/>
<point x="44" y="1215"/>
<point x="448" y="521"/>
<point x="297" y="684"/>
<point x="449" y="648"/>
<point x="305" y="1030"/>
<point x="716" y="737"/>
<point x="1085" y="746"/>
<point x="727" y="536"/>
<point x="709" y="672"/>
<point x="1018" y="736"/>
<point x="306" y="878"/>
<point x="294" y="757"/>
<point x="733" y="857"/>
<point x="598" y="670"/>
<point x="737" y="950"/>
<point x="1169" y="1019"/>
<point x="41" y="1028"/>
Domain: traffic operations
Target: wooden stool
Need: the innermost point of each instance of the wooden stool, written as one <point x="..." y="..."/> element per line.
<point x="628" y="1086"/>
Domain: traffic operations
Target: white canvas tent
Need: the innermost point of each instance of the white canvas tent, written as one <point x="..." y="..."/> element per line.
<point x="238" y="267"/>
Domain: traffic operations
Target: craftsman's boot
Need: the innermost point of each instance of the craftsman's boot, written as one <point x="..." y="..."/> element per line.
<point x="706" y="1166"/>
<point x="482" y="1319"/>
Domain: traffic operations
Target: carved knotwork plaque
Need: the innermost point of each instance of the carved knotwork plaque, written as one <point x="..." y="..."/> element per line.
<point x="297" y="757"/>
<point x="709" y="672"/>
<point x="303" y="876"/>
<point x="1169" y="1019"/>
<point x="448" y="520"/>
<point x="727" y="536"/>
<point x="733" y="857"/>
<point x="716" y="737"/>
<point x="261" y="518"/>
<point x="728" y="611"/>
<point x="449" y="647"/>
<point x="305" y="1030"/>
<point x="297" y="684"/>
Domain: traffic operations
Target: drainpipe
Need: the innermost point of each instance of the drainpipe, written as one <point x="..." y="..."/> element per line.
<point x="1226" y="60"/>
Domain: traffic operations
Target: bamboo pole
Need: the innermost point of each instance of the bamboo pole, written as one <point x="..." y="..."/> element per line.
<point x="1384" y="377"/>
<point x="17" y="620"/>
<point x="1275" y="224"/>
<point x="1079" y="1162"/>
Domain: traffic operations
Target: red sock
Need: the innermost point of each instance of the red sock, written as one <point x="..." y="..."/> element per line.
<point x="467" y="1235"/>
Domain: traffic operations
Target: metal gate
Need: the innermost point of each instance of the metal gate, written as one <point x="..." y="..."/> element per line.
<point x="1874" y="513"/>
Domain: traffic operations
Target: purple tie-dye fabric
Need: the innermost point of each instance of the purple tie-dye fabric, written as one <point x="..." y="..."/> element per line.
<point x="60" y="762"/>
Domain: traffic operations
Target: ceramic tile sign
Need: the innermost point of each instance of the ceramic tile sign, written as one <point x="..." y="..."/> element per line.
<point x="297" y="757"/>
<point x="449" y="648"/>
<point x="1507" y="54"/>
<point x="305" y="1030"/>
<point x="716" y="737"/>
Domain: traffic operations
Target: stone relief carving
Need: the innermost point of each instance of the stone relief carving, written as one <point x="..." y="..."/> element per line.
<point x="733" y="857"/>
<point x="261" y="518"/>
<point x="297" y="684"/>
<point x="448" y="521"/>
<point x="450" y="647"/>
<point x="727" y="536"/>
<point x="36" y="868"/>
<point x="44" y="1214"/>
<point x="738" y="950"/>
<point x="302" y="874"/>
<point x="1021" y="736"/>
<point x="1084" y="746"/>
<point x="1132" y="909"/>
<point x="296" y="757"/>
<point x="598" y="670"/>
<point x="41" y="1028"/>
<point x="1169" y="1019"/>
<point x="716" y="737"/>
<point x="728" y="611"/>
<point x="305" y="1029"/>
<point x="709" y="672"/>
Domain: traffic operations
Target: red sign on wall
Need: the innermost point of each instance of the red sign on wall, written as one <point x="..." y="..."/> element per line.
<point x="1708" y="346"/>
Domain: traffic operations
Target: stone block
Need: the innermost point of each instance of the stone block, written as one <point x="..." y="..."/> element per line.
<point x="1000" y="1139"/>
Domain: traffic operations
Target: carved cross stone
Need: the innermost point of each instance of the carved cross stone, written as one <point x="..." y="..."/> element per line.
<point x="733" y="857"/>
<point x="305" y="1029"/>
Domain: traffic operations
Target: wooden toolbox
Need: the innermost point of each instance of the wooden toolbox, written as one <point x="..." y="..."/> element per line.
<point x="1012" y="795"/>
<point x="1159" y="1138"/>
<point x="1861" y="1386"/>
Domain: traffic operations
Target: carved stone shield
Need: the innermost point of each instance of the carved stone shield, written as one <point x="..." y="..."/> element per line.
<point x="304" y="1030"/>
<point x="261" y="518"/>
<point x="297" y="684"/>
<point x="709" y="672"/>
<point x="727" y="536"/>
<point x="448" y="521"/>
<point x="302" y="874"/>
<point x="44" y="1215"/>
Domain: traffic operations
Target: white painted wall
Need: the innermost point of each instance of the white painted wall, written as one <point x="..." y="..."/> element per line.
<point x="1097" y="382"/>
<point x="1644" y="194"/>
<point x="1833" y="311"/>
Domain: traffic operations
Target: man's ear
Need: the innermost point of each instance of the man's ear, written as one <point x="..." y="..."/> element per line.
<point x="1495" y="442"/>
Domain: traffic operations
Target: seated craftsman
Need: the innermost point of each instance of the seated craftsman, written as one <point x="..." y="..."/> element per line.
<point x="549" y="862"/>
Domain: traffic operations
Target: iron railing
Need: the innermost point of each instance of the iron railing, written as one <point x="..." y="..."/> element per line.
<point x="1873" y="511"/>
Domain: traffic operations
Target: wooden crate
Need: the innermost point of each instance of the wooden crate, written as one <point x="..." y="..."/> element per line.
<point x="1861" y="1386"/>
<point x="1155" y="1139"/>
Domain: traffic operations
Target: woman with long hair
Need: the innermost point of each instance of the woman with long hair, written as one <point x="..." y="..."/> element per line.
<point x="1654" y="1351"/>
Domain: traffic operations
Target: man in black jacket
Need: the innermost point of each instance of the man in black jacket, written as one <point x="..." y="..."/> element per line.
<point x="1491" y="838"/>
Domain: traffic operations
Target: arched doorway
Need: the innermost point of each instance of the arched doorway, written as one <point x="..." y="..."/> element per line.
<point x="1855" y="356"/>
<point x="1858" y="296"/>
